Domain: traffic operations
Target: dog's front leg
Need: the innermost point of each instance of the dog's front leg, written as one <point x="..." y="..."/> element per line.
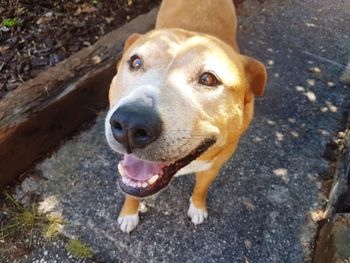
<point x="129" y="216"/>
<point x="198" y="209"/>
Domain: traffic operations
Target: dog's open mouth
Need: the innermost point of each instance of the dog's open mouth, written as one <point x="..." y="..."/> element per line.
<point x="142" y="178"/>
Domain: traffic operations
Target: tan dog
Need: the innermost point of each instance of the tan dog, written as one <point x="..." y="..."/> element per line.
<point x="182" y="98"/>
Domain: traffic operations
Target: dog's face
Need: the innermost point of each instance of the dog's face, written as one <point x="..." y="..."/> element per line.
<point x="177" y="94"/>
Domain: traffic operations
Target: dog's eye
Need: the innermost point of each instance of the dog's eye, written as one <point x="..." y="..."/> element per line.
<point x="208" y="79"/>
<point x="135" y="62"/>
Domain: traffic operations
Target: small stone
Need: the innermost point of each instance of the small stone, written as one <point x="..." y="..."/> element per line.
<point x="324" y="132"/>
<point x="311" y="96"/>
<point x="49" y="14"/>
<point x="4" y="29"/>
<point x="43" y="20"/>
<point x="282" y="173"/>
<point x="96" y="59"/>
<point x="315" y="70"/>
<point x="55" y="58"/>
<point x="109" y="19"/>
<point x="331" y="106"/>
<point x="299" y="88"/>
<point x="279" y="136"/>
<point x="330" y="84"/>
<point x="310" y="24"/>
<point x="324" y="109"/>
<point x="311" y="82"/>
<point x="341" y="134"/>
<point x="257" y="139"/>
<point x="248" y="204"/>
<point x="294" y="134"/>
<point x="248" y="244"/>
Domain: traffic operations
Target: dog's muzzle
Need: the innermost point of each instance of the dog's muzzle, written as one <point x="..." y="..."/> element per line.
<point x="135" y="126"/>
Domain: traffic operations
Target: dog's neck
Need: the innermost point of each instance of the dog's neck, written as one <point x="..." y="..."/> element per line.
<point x="213" y="17"/>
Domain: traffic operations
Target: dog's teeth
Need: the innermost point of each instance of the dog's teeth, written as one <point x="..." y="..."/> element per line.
<point x="144" y="185"/>
<point x="153" y="179"/>
<point x="133" y="184"/>
<point x="139" y="184"/>
<point x="121" y="169"/>
<point x="125" y="180"/>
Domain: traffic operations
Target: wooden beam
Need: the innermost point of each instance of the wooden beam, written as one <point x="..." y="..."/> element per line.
<point x="43" y="111"/>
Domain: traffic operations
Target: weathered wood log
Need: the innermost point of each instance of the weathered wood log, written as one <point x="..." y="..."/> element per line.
<point x="40" y="113"/>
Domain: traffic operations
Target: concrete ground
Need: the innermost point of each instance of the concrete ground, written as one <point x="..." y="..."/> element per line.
<point x="261" y="205"/>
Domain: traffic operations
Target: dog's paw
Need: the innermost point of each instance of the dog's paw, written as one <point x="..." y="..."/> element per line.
<point x="197" y="215"/>
<point x="128" y="223"/>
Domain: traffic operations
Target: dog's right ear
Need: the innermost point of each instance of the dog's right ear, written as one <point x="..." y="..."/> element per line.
<point x="131" y="39"/>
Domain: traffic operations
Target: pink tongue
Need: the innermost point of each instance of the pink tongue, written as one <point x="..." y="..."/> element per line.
<point x="140" y="170"/>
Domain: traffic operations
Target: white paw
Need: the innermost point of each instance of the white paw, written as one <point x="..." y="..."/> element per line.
<point x="197" y="215"/>
<point x="128" y="223"/>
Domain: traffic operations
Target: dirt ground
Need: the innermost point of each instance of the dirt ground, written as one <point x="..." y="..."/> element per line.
<point x="37" y="34"/>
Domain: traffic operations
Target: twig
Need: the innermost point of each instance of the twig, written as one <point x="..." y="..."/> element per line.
<point x="334" y="63"/>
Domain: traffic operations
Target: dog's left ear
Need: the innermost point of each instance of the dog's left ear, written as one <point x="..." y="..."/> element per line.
<point x="130" y="40"/>
<point x="255" y="72"/>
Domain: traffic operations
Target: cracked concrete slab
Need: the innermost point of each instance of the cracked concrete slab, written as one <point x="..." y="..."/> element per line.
<point x="261" y="203"/>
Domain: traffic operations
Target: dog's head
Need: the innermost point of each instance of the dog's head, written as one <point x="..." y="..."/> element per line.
<point x="177" y="96"/>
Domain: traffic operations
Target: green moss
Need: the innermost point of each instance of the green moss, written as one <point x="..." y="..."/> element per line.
<point x="22" y="222"/>
<point x="27" y="218"/>
<point x="18" y="225"/>
<point x="78" y="249"/>
<point x="10" y="22"/>
<point x="53" y="225"/>
<point x="22" y="217"/>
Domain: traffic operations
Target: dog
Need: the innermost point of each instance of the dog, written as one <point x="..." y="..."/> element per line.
<point x="181" y="99"/>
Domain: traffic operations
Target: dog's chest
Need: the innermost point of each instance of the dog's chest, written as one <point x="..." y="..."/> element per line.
<point x="195" y="167"/>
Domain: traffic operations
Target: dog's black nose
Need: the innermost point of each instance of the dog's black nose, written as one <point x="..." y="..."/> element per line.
<point x="135" y="126"/>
